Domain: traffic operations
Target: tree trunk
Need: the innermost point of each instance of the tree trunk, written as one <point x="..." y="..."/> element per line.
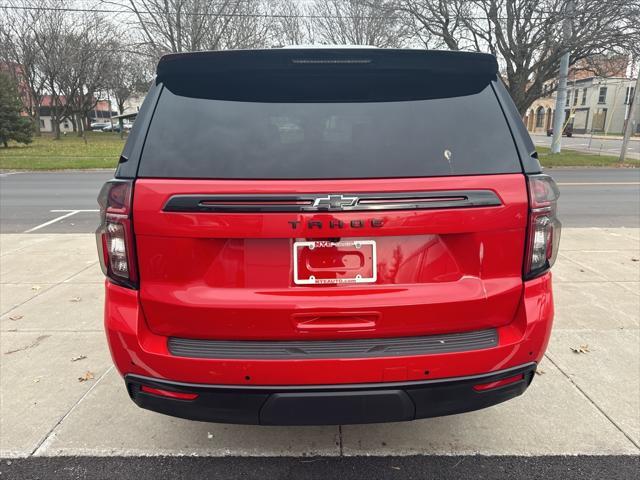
<point x="55" y="121"/>
<point x="36" y="120"/>
<point x="80" y="124"/>
<point x="55" y="127"/>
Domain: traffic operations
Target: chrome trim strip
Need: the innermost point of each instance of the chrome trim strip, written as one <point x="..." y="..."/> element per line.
<point x="325" y="202"/>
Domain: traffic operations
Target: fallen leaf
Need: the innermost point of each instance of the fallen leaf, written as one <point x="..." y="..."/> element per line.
<point x="539" y="371"/>
<point x="79" y="357"/>
<point x="35" y="288"/>
<point x="580" y="349"/>
<point x="36" y="380"/>
<point x="16" y="317"/>
<point x="87" y="376"/>
<point x="75" y="299"/>
<point x="635" y="259"/>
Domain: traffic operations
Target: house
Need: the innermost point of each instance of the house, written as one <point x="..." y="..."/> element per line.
<point x="595" y="104"/>
<point x="132" y="105"/>
<point x="99" y="113"/>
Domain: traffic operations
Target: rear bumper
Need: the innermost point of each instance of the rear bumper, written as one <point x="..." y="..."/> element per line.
<point x="331" y="404"/>
<point x="417" y="386"/>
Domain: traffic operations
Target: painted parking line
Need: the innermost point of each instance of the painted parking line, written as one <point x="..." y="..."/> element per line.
<point x="92" y="210"/>
<point x="69" y="213"/>
<point x="582" y="184"/>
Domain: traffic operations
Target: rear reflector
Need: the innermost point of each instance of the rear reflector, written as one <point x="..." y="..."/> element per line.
<point x="169" y="393"/>
<point x="481" y="387"/>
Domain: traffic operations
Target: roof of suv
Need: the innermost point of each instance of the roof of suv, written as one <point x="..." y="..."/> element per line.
<point x="437" y="61"/>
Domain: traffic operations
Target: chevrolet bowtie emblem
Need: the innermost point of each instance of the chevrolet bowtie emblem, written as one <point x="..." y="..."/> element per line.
<point x="334" y="202"/>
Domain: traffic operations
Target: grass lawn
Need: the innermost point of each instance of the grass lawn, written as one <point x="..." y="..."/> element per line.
<point x="570" y="158"/>
<point x="98" y="150"/>
<point x="102" y="150"/>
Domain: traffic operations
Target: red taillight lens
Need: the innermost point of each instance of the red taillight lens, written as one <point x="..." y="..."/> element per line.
<point x="114" y="236"/>
<point x="544" y="227"/>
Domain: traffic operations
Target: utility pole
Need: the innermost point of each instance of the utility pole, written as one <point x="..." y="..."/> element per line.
<point x="561" y="95"/>
<point x="629" y="126"/>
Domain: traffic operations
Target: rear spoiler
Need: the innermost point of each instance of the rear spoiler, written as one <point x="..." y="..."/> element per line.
<point x="307" y="59"/>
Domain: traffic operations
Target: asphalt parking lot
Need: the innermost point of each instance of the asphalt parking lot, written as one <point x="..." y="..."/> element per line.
<point x="579" y="419"/>
<point x="65" y="202"/>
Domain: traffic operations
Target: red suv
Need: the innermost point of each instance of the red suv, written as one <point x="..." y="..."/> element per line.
<point x="327" y="236"/>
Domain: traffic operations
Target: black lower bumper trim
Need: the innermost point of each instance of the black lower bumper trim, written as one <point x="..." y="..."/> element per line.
<point x="330" y="404"/>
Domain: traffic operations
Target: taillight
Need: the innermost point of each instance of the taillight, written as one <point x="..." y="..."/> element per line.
<point x="544" y="227"/>
<point x="116" y="247"/>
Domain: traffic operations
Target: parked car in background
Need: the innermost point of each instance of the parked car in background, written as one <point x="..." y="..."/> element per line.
<point x="567" y="131"/>
<point x="285" y="247"/>
<point x="98" y="126"/>
<point x="112" y="128"/>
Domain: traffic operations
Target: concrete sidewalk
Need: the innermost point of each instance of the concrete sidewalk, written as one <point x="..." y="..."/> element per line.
<point x="51" y="304"/>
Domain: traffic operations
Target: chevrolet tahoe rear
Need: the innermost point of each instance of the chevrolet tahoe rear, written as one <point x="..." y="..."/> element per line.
<point x="327" y="236"/>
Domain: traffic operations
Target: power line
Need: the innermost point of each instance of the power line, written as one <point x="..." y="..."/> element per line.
<point x="236" y="14"/>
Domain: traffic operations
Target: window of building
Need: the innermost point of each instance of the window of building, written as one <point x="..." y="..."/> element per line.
<point x="628" y="97"/>
<point x="568" y="98"/>
<point x="584" y="97"/>
<point x="602" y="95"/>
<point x="575" y="96"/>
<point x="539" y="117"/>
<point x="41" y="123"/>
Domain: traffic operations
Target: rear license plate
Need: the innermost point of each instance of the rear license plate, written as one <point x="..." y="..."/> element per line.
<point x="325" y="262"/>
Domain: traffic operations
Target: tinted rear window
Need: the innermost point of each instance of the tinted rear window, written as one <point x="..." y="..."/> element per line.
<point x="328" y="128"/>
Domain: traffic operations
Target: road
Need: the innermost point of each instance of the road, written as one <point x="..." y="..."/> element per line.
<point x="65" y="202"/>
<point x="405" y="468"/>
<point x="597" y="145"/>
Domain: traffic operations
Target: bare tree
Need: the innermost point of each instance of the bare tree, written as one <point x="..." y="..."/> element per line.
<point x="292" y="26"/>
<point x="127" y="77"/>
<point x="525" y="35"/>
<point x="250" y="25"/>
<point x="23" y="59"/>
<point x="434" y="23"/>
<point x="167" y="26"/>
<point x="63" y="55"/>
<point x="357" y="22"/>
<point x="50" y="24"/>
<point x="89" y="60"/>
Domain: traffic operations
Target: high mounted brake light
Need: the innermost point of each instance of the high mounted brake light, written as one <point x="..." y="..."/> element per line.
<point x="544" y="229"/>
<point x="114" y="236"/>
